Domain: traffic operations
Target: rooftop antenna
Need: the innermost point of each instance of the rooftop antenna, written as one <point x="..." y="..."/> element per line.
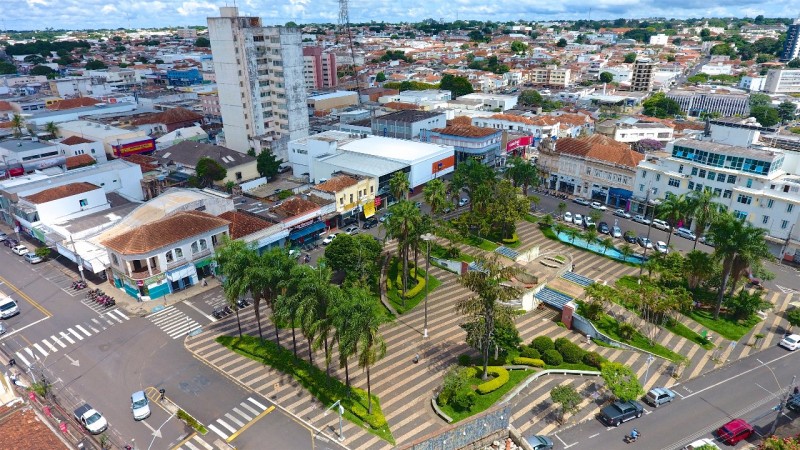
<point x="344" y="25"/>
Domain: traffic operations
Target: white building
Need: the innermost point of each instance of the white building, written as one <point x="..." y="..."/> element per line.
<point x="659" y="39"/>
<point x="635" y="132"/>
<point x="716" y="69"/>
<point x="753" y="84"/>
<point x="492" y="101"/>
<point x="260" y="81"/>
<point x="782" y="81"/>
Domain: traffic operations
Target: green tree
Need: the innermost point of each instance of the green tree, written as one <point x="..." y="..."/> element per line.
<point x="659" y="105"/>
<point x="95" y="64"/>
<point x="399" y="186"/>
<point x="233" y="258"/>
<point x="475" y="178"/>
<point x="561" y="43"/>
<point x="202" y="42"/>
<point x="43" y="252"/>
<point x="458" y="86"/>
<point x="518" y="47"/>
<point x="7" y="68"/>
<point x="267" y="164"/>
<point x="606" y="77"/>
<point x="793" y="317"/>
<point x="561" y="209"/>
<point x="17" y="123"/>
<point x="698" y="267"/>
<point x="700" y="205"/>
<point x="629" y="57"/>
<point x="404" y="225"/>
<point x="208" y="171"/>
<point x="371" y="347"/>
<point x="286" y="307"/>
<point x="626" y="251"/>
<point x="380" y="77"/>
<point x="568" y="398"/>
<point x="607" y="243"/>
<point x="672" y="210"/>
<point x="757" y="99"/>
<point x="522" y="173"/>
<point x="767" y="116"/>
<point x="357" y="256"/>
<point x="503" y="209"/>
<point x="590" y="234"/>
<point x="484" y="311"/>
<point x="621" y="381"/>
<point x="318" y="294"/>
<point x="793" y="64"/>
<point x="435" y="194"/>
<point x="787" y="111"/>
<point x="530" y="97"/>
<point x="41" y="70"/>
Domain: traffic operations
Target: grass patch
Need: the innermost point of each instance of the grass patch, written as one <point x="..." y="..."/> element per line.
<point x="192" y="422"/>
<point x="682" y="330"/>
<point x="559" y="258"/>
<point x="324" y="388"/>
<point x="725" y="326"/>
<point x="531" y="218"/>
<point x="393" y="291"/>
<point x="486" y="401"/>
<point x="610" y="328"/>
<point x="571" y="366"/>
<point x="454" y="254"/>
<point x="481" y="243"/>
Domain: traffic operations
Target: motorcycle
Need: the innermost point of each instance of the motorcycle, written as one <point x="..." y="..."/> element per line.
<point x="629" y="439"/>
<point x="218" y="312"/>
<point x="242" y="302"/>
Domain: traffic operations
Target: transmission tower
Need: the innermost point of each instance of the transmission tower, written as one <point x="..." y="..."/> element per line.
<point x="344" y="26"/>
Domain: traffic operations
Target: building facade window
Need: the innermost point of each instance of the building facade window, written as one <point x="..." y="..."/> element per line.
<point x="770" y="202"/>
<point x="765" y="219"/>
<point x="784" y="224"/>
<point x="727" y="193"/>
<point x="741" y="215"/>
<point x="674" y="182"/>
<point x="789" y="208"/>
<point x="744" y="199"/>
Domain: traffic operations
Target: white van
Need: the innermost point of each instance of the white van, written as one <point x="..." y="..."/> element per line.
<point x="8" y="308"/>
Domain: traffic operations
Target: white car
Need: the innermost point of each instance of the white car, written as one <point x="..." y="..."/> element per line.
<point x="577" y="219"/>
<point x="622" y="213"/>
<point x="329" y="239"/>
<point x="588" y="222"/>
<point x="20" y="250"/>
<point x="616" y="232"/>
<point x="140" y="406"/>
<point x="791" y="342"/>
<point x="351" y="230"/>
<point x="641" y="219"/>
<point x="702" y="443"/>
<point x="661" y="225"/>
<point x="567" y="216"/>
<point x="661" y="246"/>
<point x="32" y="258"/>
<point x="581" y="201"/>
<point x="463" y="201"/>
<point x="685" y="233"/>
<point x="598" y="206"/>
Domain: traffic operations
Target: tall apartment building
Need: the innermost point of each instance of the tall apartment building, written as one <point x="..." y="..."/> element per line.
<point x="791" y="46"/>
<point x="549" y="76"/>
<point x="319" y="69"/>
<point x="782" y="81"/>
<point x="642" y="77"/>
<point x="259" y="72"/>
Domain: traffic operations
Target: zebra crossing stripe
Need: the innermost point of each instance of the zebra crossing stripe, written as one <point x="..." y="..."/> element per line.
<point x="233" y="419"/>
<point x="116" y="312"/>
<point x="160" y="312"/>
<point x="41" y="350"/>
<point x="22" y="358"/>
<point x="55" y="339"/>
<point x="67" y="338"/>
<point x="255" y="402"/>
<point x="202" y="442"/>
<point x="83" y="330"/>
<point x="230" y="428"/>
<point x="190" y="445"/>
<point x="249" y="408"/>
<point x="75" y="333"/>
<point x="52" y="347"/>
<point x="217" y="430"/>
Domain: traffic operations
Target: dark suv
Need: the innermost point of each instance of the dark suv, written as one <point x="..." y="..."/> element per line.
<point x="618" y="412"/>
<point x="370" y="223"/>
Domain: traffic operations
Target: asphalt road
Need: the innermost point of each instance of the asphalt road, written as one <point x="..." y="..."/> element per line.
<point x="747" y="389"/>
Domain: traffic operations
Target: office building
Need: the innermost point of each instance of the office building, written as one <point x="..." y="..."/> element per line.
<point x="642" y="77"/>
<point x="259" y="71"/>
<point x="782" y="81"/>
<point x="791" y="46"/>
<point x="319" y="69"/>
<point x="725" y="103"/>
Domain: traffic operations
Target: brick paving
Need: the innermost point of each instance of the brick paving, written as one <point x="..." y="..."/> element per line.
<point x="405" y="388"/>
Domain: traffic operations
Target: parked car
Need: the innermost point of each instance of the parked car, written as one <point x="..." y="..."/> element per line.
<point x="616" y="232"/>
<point x="602" y="227"/>
<point x="597" y="205"/>
<point x="3" y="237"/>
<point x="370" y="223"/>
<point x="385" y="216"/>
<point x="702" y="443"/>
<point x="644" y="242"/>
<point x="588" y="222"/>
<point x="32" y="258"/>
<point x="581" y="201"/>
<point x="661" y="225"/>
<point x="706" y="240"/>
<point x="685" y="233"/>
<point x="618" y="412"/>
<point x="329" y="239"/>
<point x="661" y="246"/>
<point x="622" y="213"/>
<point x="463" y="201"/>
<point x="734" y="431"/>
<point x="140" y="406"/>
<point x="418" y="205"/>
<point x="629" y="237"/>
<point x="568" y="217"/>
<point x="352" y="230"/>
<point x="19" y="249"/>
<point x="540" y="442"/>
<point x="658" y="396"/>
<point x="577" y="219"/>
<point x="790" y="342"/>
<point x="8" y="308"/>
<point x="641" y="219"/>
<point x="793" y="402"/>
<point x="349" y="221"/>
<point x="92" y="420"/>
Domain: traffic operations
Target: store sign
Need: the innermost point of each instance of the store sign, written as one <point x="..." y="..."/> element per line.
<point x="302" y="225"/>
<point x="147" y="145"/>
<point x="518" y="142"/>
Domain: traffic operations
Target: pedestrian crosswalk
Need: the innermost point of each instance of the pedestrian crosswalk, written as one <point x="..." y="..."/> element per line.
<point x="196" y="442"/>
<point x="72" y="335"/>
<point x="237" y="418"/>
<point x="174" y="322"/>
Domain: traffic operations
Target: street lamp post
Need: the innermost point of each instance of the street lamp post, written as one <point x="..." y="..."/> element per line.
<point x="650" y="360"/>
<point x="427" y="237"/>
<point x="340" y="410"/>
<point x="781" y="406"/>
<point x="649" y="227"/>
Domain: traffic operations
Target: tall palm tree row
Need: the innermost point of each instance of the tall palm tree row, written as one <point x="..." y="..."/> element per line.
<point x="703" y="209"/>
<point x="522" y="173"/>
<point x="399" y="186"/>
<point x="672" y="210"/>
<point x="406" y="225"/>
<point x="435" y="194"/>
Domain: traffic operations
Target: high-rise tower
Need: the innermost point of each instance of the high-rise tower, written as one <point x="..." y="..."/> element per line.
<point x="791" y="46"/>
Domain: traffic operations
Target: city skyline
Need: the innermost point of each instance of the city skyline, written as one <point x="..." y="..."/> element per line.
<point x="83" y="14"/>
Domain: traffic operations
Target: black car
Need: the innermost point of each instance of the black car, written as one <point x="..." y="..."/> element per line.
<point x="618" y="412"/>
<point x="629" y="238"/>
<point x="370" y="223"/>
<point x="602" y="227"/>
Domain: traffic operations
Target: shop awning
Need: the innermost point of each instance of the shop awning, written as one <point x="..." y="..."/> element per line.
<point x="182" y="272"/>
<point x="203" y="263"/>
<point x="297" y="234"/>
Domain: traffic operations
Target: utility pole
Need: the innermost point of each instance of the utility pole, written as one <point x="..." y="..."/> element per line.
<point x="781" y="406"/>
<point x="77" y="258"/>
<point x="340" y="409"/>
<point x="649" y="227"/>
<point x="427" y="237"/>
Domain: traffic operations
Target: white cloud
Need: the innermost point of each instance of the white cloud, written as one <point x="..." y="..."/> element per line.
<point x="193" y="8"/>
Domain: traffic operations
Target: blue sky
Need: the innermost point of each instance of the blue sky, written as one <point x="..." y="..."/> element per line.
<point x="82" y="14"/>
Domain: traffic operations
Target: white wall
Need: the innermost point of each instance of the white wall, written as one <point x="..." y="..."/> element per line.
<point x="70" y="207"/>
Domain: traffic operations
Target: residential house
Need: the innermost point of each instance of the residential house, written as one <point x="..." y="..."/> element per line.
<point x="240" y="166"/>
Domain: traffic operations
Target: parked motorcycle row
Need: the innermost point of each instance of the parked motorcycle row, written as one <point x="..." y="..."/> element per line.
<point x="78" y="285"/>
<point x="220" y="312"/>
<point x="101" y="298"/>
<point x="551" y="193"/>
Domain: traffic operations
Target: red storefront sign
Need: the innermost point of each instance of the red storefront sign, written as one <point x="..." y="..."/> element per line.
<point x="518" y="142"/>
<point x="143" y="146"/>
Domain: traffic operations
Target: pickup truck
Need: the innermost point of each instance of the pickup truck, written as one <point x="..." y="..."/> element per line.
<point x="92" y="420"/>
<point x="619" y="412"/>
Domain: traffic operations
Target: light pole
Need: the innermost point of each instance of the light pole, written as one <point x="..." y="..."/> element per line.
<point x="650" y="360"/>
<point x="649" y="227"/>
<point x="427" y="237"/>
<point x="780" y="406"/>
<point x="340" y="410"/>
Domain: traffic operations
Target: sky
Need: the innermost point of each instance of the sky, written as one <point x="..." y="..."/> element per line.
<point x="93" y="14"/>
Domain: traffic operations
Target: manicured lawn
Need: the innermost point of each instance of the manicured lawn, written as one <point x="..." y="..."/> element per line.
<point x="443" y="253"/>
<point x="486" y="401"/>
<point x="610" y="328"/>
<point x="531" y="218"/>
<point x="726" y="327"/>
<point x="393" y="293"/>
<point x="481" y="243"/>
<point x="324" y="388"/>
<point x="682" y="330"/>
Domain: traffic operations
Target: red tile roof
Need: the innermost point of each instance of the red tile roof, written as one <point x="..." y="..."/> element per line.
<point x="466" y="130"/>
<point x="23" y="430"/>
<point x="163" y="232"/>
<point x="295" y="206"/>
<point x="400" y="106"/>
<point x="59" y="192"/>
<point x="5" y="106"/>
<point x="244" y="224"/>
<point x="147" y="163"/>
<point x="170" y="116"/>
<point x="336" y="184"/>
<point x="538" y="120"/>
<point x="72" y="103"/>
<point x="75" y="140"/>
<point x="73" y="162"/>
<point x="601" y="148"/>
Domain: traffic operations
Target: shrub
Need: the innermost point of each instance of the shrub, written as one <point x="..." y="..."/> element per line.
<point x="527" y="351"/>
<point x="560" y="343"/>
<point x="455" y="379"/>
<point x="572" y="353"/>
<point x="512" y="240"/>
<point x="593" y="359"/>
<point x="534" y="362"/>
<point x="464" y="360"/>
<point x="542" y="344"/>
<point x="465" y="399"/>
<point x="552" y="357"/>
<point x="416" y="289"/>
<point x="501" y="378"/>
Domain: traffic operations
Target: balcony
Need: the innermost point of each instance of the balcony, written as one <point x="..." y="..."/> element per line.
<point x="142" y="274"/>
<point x="176" y="263"/>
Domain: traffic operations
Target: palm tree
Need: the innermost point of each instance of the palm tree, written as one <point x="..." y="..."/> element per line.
<point x="287" y="305"/>
<point x="483" y="311"/>
<point x="590" y="235"/>
<point x="607" y="243"/>
<point x="626" y="251"/>
<point x="561" y="208"/>
<point x="52" y="129"/>
<point x="522" y="173"/>
<point x="672" y="210"/>
<point x="345" y="333"/>
<point x="435" y="194"/>
<point x="232" y="258"/>
<point x="399" y="186"/>
<point x="698" y="267"/>
<point x="573" y="233"/>
<point x="737" y="243"/>
<point x="400" y="225"/>
<point x="371" y="346"/>
<point x="703" y="209"/>
<point x="318" y="295"/>
<point x="559" y="228"/>
<point x="264" y="277"/>
<point x="17" y="123"/>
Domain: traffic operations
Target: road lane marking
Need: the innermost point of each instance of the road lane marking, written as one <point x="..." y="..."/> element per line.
<point x="67" y="338"/>
<point x="22" y="358"/>
<point x="75" y="333"/>
<point x="41" y="350"/>
<point x="55" y="339"/>
<point x="83" y="330"/>
<point x="217" y="430"/>
<point x="26" y="326"/>
<point x="26" y="298"/>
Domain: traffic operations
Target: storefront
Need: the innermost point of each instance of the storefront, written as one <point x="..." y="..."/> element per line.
<point x="306" y="232"/>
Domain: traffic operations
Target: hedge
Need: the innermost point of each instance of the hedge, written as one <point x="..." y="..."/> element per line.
<point x="543" y="344"/>
<point x="593" y="359"/>
<point x="552" y="357"/>
<point x="412" y="273"/>
<point x="528" y="361"/>
<point x="572" y="353"/>
<point x="496" y="382"/>
<point x="512" y="240"/>
<point x="529" y="352"/>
